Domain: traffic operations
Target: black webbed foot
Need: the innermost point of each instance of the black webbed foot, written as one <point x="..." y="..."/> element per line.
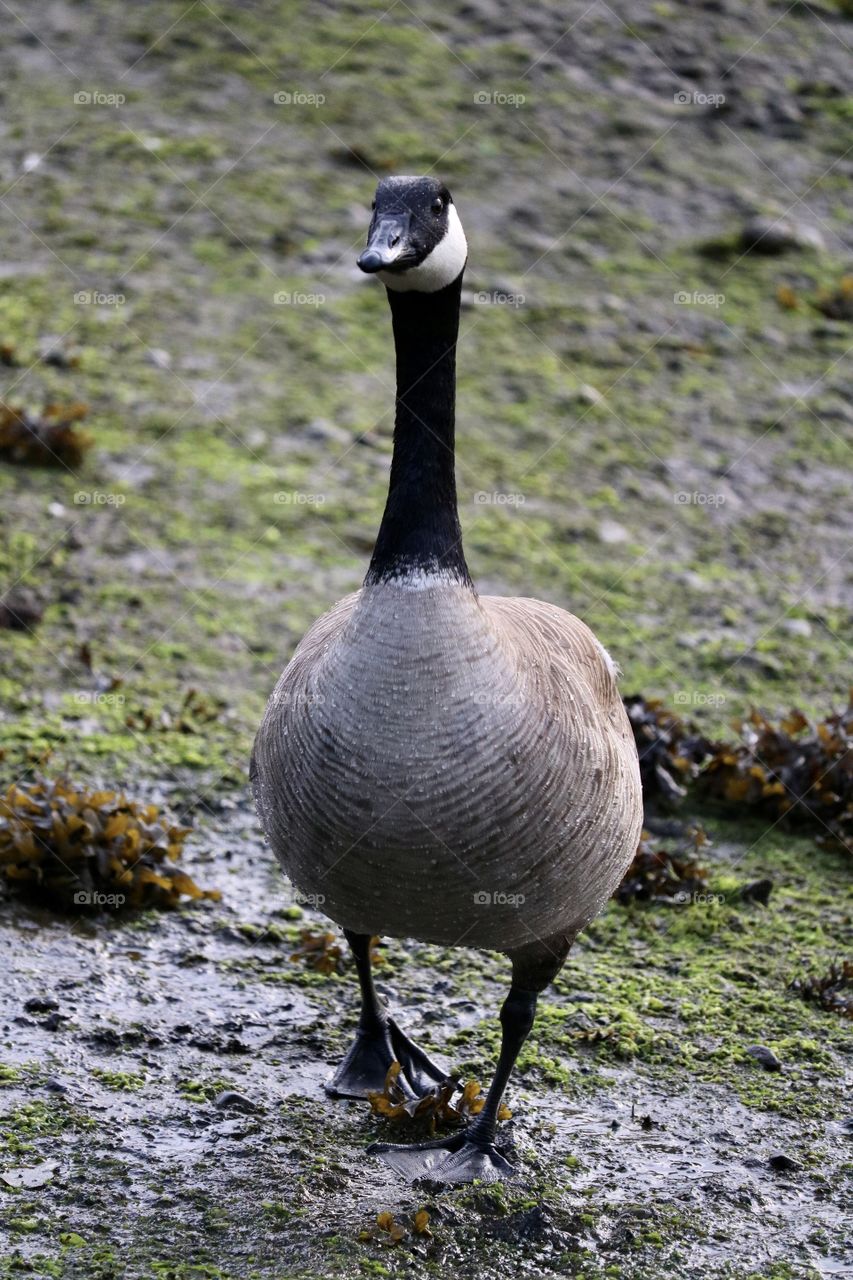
<point x="378" y="1043"/>
<point x="471" y="1154"/>
<point x="365" y="1067"/>
<point x="461" y="1157"/>
<point x="421" y="1073"/>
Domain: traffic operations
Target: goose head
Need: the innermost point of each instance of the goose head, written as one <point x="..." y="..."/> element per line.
<point x="415" y="241"/>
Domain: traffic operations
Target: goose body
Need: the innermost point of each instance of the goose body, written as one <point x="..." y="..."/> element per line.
<point x="434" y="764"/>
<point x="495" y="796"/>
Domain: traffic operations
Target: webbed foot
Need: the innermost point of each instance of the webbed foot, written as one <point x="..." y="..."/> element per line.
<point x="461" y="1157"/>
<point x="365" y="1067"/>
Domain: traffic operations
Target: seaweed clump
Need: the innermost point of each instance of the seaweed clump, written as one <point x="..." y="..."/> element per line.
<point x="657" y="875"/>
<point x="389" y="1231"/>
<point x="76" y="848"/>
<point x="434" y="1107"/>
<point x="833" y="990"/>
<point x="671" y="750"/>
<point x="195" y="711"/>
<point x="321" y="950"/>
<point x="46" y="439"/>
<point x="794" y="769"/>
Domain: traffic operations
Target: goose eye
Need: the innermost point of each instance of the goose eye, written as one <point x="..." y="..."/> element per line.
<point x="437" y="206"/>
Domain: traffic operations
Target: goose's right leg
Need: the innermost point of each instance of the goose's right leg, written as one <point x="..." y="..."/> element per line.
<point x="472" y="1153"/>
<point x="379" y="1042"/>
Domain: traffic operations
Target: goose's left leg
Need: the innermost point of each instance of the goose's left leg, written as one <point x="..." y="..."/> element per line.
<point x="379" y="1041"/>
<point x="472" y="1153"/>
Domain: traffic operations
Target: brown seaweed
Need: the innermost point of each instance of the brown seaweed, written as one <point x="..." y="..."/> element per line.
<point x="77" y="848"/>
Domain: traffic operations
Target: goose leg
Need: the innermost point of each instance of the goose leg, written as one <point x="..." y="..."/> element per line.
<point x="379" y="1041"/>
<point x="472" y="1153"/>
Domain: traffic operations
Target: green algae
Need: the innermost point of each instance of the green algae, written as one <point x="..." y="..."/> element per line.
<point x="125" y="1081"/>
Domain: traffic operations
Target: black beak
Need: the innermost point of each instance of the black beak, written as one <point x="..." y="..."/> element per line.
<point x="386" y="243"/>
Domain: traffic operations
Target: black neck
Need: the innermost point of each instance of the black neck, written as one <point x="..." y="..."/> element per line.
<point x="420" y="529"/>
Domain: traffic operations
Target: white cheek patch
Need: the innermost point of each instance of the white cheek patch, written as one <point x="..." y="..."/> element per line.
<point x="439" y="268"/>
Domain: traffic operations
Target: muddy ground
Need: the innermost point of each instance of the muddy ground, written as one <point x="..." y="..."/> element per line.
<point x="659" y="418"/>
<point x="647" y="1138"/>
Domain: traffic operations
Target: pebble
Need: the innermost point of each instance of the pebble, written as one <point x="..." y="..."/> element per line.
<point x="589" y="394"/>
<point x="21" y="609"/>
<point x="797" y="626"/>
<point x="231" y="1098"/>
<point x="766" y="1057"/>
<point x="53" y="350"/>
<point x="320" y="429"/>
<point x="41" y="1004"/>
<point x="159" y="358"/>
<point x="757" y="891"/>
<point x="778" y="235"/>
<point x="612" y="533"/>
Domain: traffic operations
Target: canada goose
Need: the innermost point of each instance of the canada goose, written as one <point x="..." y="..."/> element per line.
<point x="435" y="764"/>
